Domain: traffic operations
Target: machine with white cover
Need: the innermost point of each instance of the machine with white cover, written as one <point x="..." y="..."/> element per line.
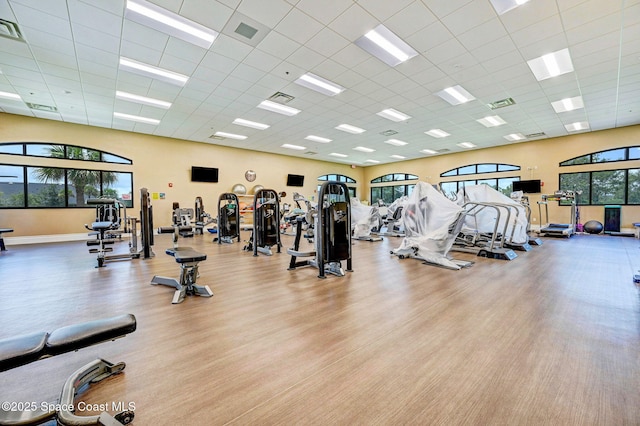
<point x="364" y="219"/>
<point x="431" y="223"/>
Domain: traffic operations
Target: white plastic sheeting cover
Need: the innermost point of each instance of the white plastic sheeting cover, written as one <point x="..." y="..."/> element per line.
<point x="428" y="216"/>
<point x="485" y="220"/>
<point x="363" y="219"/>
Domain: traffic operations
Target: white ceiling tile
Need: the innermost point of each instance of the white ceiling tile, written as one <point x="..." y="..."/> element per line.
<point x="268" y="13"/>
<point x="468" y="16"/>
<point x="430" y="37"/>
<point x="327" y="42"/>
<point x="211" y="14"/>
<point x="353" y="23"/>
<point x="325" y="11"/>
<point x="278" y="45"/>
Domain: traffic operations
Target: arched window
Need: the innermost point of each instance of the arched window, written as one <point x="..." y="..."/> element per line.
<point x="69" y="152"/>
<point x="339" y="178"/>
<point x="390" y="193"/>
<point x="394" y="177"/>
<point x="617" y="154"/>
<point x="475" y="169"/>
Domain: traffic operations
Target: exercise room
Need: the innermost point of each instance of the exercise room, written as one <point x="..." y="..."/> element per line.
<point x="305" y="212"/>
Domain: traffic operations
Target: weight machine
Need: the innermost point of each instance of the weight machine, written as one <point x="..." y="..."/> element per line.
<point x="332" y="232"/>
<point x="266" y="223"/>
<point x="228" y="218"/>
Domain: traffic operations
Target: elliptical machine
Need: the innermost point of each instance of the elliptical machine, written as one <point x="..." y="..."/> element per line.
<point x="228" y="218"/>
<point x="332" y="237"/>
<point x="266" y="223"/>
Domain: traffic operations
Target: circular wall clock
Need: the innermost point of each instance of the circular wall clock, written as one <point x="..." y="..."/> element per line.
<point x="250" y="175"/>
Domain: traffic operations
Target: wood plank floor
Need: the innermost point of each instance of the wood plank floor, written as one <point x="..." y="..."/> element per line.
<point x="552" y="337"/>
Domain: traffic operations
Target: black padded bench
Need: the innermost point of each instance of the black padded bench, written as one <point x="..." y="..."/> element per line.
<point x="2" y="231"/>
<point x="22" y="350"/>
<point x="188" y="259"/>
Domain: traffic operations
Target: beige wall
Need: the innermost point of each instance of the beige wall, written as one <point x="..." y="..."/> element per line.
<point x="158" y="161"/>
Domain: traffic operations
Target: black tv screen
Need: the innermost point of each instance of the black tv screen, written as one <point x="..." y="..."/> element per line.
<point x="527" y="186"/>
<point x="295" y="180"/>
<point x="204" y="174"/>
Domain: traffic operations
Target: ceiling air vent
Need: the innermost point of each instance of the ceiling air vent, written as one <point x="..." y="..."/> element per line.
<point x="40" y="107"/>
<point x="10" y="30"/>
<point x="440" y="151"/>
<point x="310" y="153"/>
<point x="502" y="103"/>
<point x="246" y="30"/>
<point x="389" y="133"/>
<point x="281" y="98"/>
<point x="216" y="137"/>
<point x="535" y="135"/>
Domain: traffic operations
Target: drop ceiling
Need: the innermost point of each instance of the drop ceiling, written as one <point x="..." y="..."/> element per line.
<point x="68" y="63"/>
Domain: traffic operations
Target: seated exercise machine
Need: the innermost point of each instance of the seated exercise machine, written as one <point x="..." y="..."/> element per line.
<point x="266" y="223"/>
<point x="332" y="232"/>
<point x="228" y="218"/>
<point x="22" y="350"/>
<point x="188" y="259"/>
<point x="392" y="225"/>
<point x="183" y="218"/>
<point x="2" y="231"/>
<point x="364" y="220"/>
<point x="557" y="229"/>
<point x="107" y="228"/>
<point x="202" y="218"/>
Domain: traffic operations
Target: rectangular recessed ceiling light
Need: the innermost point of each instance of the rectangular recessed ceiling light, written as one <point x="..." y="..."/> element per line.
<point x="363" y="149"/>
<point x="335" y="154"/>
<point x="429" y="151"/>
<point x="319" y="84"/>
<point x="153" y="72"/>
<point x="503" y="6"/>
<point x="386" y="46"/>
<point x="150" y="15"/>
<point x="455" y="95"/>
<point x="399" y="157"/>
<point x="230" y="135"/>
<point x="466" y="145"/>
<point x="567" y="104"/>
<point x="142" y="100"/>
<point x="437" y="133"/>
<point x="393" y="115"/>
<point x="492" y="121"/>
<point x="279" y="108"/>
<point x="350" y="129"/>
<point x="252" y="124"/>
<point x="318" y="139"/>
<point x="137" y="118"/>
<point x="551" y="64"/>
<point x="396" y="142"/>
<point x="371" y="161"/>
<point x="296" y="147"/>
<point x="13" y="96"/>
<point x="514" y="137"/>
<point x="574" y="127"/>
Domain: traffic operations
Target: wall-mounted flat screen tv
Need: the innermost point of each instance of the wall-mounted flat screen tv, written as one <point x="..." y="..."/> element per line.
<point x="295" y="180"/>
<point x="204" y="174"/>
<point x="528" y="186"/>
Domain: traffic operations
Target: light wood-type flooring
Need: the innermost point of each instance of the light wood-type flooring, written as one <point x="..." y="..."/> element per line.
<point x="550" y="338"/>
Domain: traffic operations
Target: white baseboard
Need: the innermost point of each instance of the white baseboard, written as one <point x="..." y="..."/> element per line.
<point x="56" y="238"/>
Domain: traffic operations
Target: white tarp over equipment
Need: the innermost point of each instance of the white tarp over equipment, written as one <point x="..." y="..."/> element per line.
<point x="485" y="220"/>
<point x="430" y="221"/>
<point x="363" y="219"/>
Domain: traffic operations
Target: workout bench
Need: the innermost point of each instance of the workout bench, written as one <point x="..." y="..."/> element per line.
<point x="22" y="350"/>
<point x="2" y="231"/>
<point x="188" y="259"/>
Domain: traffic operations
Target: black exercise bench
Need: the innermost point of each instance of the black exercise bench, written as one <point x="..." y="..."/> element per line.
<point x="2" y="231"/>
<point x="22" y="350"/>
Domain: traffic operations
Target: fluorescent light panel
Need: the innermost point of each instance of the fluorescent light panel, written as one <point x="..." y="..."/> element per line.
<point x="574" y="127"/>
<point x="567" y="104"/>
<point x="466" y="145"/>
<point x="350" y="129"/>
<point x="153" y="72"/>
<point x="363" y="149"/>
<point x="12" y="96"/>
<point x="278" y="108"/>
<point x="142" y="100"/>
<point x="136" y="118"/>
<point x="491" y="121"/>
<point x="398" y="157"/>
<point x="319" y="84"/>
<point x="296" y="147"/>
<point x="514" y="137"/>
<point x="318" y="139"/>
<point x="386" y="46"/>
<point x="230" y="135"/>
<point x="335" y="154"/>
<point x="393" y="115"/>
<point x="455" y="95"/>
<point x="437" y="133"/>
<point x="551" y="64"/>
<point x="503" y="6"/>
<point x="252" y="124"/>
<point x="396" y="142"/>
<point x="151" y="15"/>
<point x="429" y="151"/>
<point x="371" y="161"/>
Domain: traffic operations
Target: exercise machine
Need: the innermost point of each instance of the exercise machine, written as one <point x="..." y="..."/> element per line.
<point x="188" y="259"/>
<point x="558" y="229"/>
<point x="332" y="232"/>
<point x="23" y="350"/>
<point x="183" y="218"/>
<point x="228" y="218"/>
<point x="266" y="223"/>
<point x="364" y="220"/>
<point x="202" y="218"/>
<point x="2" y="231"/>
<point x="519" y="197"/>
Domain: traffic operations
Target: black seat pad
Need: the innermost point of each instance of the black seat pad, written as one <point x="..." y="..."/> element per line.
<point x="20" y="350"/>
<point x="99" y="226"/>
<point x="186" y="254"/>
